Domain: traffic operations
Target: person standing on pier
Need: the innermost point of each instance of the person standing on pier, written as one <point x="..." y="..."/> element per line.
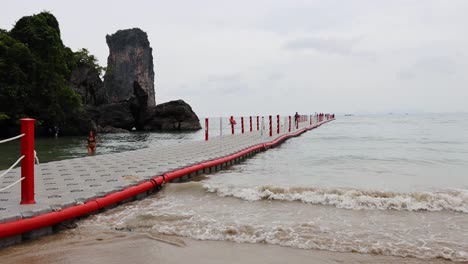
<point x="296" y="119"/>
<point x="91" y="143"/>
<point x="232" y="121"/>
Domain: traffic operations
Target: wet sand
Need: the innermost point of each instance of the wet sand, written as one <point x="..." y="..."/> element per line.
<point x="87" y="246"/>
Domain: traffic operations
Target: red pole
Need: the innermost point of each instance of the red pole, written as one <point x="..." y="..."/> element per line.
<point x="297" y="122"/>
<point x="271" y="128"/>
<point x="250" y="123"/>
<point x="289" y="124"/>
<point x="277" y="124"/>
<point x="258" y="123"/>
<point x="232" y="124"/>
<point x="242" y="124"/>
<point x="27" y="163"/>
<point x="206" y="129"/>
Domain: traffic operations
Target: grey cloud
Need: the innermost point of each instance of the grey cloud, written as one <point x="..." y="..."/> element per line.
<point x="308" y="16"/>
<point x="224" y="84"/>
<point x="275" y="76"/>
<point x="334" y="46"/>
<point x="405" y="75"/>
<point x="430" y="66"/>
<point x="440" y="65"/>
<point x="215" y="85"/>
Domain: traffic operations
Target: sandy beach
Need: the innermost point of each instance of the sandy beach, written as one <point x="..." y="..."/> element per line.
<point x="121" y="247"/>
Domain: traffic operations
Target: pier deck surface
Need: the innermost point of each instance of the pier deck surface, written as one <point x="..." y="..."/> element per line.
<point x="65" y="183"/>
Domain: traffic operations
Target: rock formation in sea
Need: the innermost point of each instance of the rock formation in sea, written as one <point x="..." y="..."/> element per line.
<point x="126" y="99"/>
<point x="130" y="60"/>
<point x="171" y="116"/>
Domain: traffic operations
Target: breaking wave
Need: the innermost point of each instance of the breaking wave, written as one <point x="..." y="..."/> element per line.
<point x="453" y="200"/>
<point x="305" y="235"/>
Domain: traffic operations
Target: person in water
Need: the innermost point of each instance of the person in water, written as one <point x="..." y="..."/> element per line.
<point x="91" y="143"/>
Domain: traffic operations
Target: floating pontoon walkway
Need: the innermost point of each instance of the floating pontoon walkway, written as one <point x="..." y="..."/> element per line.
<point x="68" y="189"/>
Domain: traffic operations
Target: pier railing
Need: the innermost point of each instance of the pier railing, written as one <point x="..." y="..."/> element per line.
<point x="267" y="125"/>
<point x="27" y="158"/>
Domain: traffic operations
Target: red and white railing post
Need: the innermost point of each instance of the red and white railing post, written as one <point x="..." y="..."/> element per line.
<point x="206" y="129"/>
<point x="242" y="124"/>
<point x="289" y="130"/>
<point x="277" y="124"/>
<point x="271" y="127"/>
<point x="27" y="163"/>
<point x="250" y="123"/>
<point x="258" y="123"/>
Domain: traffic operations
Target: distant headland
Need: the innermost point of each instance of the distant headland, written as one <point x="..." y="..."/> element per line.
<point x="42" y="78"/>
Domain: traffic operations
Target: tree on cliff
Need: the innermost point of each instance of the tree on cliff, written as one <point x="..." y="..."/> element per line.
<point x="35" y="68"/>
<point x="83" y="57"/>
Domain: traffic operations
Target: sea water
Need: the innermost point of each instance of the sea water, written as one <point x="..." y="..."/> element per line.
<point x="390" y="185"/>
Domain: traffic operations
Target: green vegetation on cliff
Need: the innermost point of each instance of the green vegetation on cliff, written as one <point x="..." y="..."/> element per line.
<point x="35" y="69"/>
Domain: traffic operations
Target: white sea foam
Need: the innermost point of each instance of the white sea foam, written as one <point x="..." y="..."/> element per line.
<point x="454" y="200"/>
<point x="196" y="216"/>
<point x="304" y="236"/>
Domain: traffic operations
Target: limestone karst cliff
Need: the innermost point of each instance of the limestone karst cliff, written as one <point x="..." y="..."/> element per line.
<point x="129" y="90"/>
<point x="130" y="60"/>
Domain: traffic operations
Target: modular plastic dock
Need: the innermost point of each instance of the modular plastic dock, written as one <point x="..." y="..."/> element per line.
<point x="68" y="189"/>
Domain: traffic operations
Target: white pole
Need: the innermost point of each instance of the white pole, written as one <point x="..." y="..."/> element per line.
<point x="220" y="126"/>
<point x="263" y="126"/>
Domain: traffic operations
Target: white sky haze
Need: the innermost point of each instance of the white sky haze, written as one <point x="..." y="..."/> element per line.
<point x="259" y="57"/>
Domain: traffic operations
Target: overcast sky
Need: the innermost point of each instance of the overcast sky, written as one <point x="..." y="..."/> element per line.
<point x="260" y="57"/>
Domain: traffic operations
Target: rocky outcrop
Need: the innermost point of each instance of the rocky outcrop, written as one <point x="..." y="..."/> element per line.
<point x="126" y="100"/>
<point x="171" y="116"/>
<point x="87" y="83"/>
<point x="117" y="115"/>
<point x="130" y="60"/>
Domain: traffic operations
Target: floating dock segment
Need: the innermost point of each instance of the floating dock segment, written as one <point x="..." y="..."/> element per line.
<point x="70" y="189"/>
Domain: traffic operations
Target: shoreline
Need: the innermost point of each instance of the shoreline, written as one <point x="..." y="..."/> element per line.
<point x="83" y="245"/>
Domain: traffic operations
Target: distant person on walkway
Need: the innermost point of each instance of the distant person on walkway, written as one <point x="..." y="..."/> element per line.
<point x="296" y="119"/>
<point x="91" y="143"/>
<point x="232" y="121"/>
